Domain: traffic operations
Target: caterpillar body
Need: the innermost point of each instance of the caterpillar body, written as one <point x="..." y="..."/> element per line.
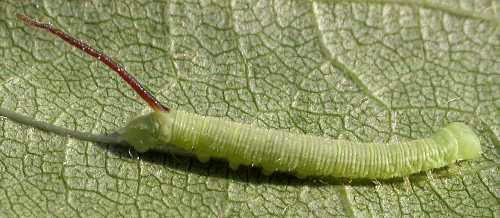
<point x="273" y="150"/>
<point x="303" y="155"/>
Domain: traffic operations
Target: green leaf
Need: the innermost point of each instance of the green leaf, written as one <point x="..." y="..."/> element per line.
<point x="366" y="71"/>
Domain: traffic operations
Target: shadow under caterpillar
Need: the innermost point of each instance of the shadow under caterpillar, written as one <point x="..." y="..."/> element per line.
<point x="274" y="150"/>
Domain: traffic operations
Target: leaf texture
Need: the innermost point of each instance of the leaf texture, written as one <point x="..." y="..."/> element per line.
<point x="378" y="70"/>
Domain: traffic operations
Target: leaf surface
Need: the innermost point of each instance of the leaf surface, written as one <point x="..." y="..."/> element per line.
<point x="379" y="70"/>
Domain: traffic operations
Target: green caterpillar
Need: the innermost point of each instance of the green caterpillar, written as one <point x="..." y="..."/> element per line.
<point x="303" y="155"/>
<point x="273" y="150"/>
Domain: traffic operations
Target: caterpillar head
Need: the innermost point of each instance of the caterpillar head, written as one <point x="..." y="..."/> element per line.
<point x="468" y="146"/>
<point x="147" y="132"/>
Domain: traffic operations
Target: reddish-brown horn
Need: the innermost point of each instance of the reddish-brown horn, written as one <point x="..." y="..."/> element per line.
<point x="138" y="88"/>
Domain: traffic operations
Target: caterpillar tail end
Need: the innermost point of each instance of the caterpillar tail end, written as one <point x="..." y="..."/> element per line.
<point x="142" y="133"/>
<point x="469" y="146"/>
